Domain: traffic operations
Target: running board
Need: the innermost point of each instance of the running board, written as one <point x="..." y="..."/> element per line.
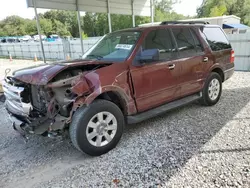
<point x="161" y="109"/>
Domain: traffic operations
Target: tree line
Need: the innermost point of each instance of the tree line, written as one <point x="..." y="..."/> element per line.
<point x="64" y="23"/>
<point x="240" y="8"/>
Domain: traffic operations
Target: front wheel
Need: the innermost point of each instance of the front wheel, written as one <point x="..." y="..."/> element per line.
<point x="97" y="128"/>
<point x="212" y="90"/>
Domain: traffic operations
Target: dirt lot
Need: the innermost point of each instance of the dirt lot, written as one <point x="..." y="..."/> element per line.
<point x="193" y="146"/>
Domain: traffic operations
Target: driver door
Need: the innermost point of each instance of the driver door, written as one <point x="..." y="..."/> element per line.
<point x="156" y="82"/>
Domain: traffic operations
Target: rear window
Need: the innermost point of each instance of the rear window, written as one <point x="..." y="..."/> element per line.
<point x="216" y="38"/>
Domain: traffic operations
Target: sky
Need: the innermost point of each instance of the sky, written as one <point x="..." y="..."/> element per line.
<point x="19" y="7"/>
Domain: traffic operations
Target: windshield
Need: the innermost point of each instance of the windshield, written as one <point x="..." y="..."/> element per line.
<point x="114" y="47"/>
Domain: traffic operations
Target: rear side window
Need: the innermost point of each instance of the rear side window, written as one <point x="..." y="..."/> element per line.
<point x="216" y="38"/>
<point x="198" y="45"/>
<point x="160" y="39"/>
<point x="187" y="42"/>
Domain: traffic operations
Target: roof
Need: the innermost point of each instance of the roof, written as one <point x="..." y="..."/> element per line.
<point x="138" y="7"/>
<point x="149" y="26"/>
<point x="238" y="26"/>
<point x="159" y="24"/>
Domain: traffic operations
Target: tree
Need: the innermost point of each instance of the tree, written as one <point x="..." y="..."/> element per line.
<point x="68" y="18"/>
<point x="13" y="26"/>
<point x="101" y="24"/>
<point x="30" y="27"/>
<point x="141" y="20"/>
<point x="46" y="26"/>
<point x="59" y="28"/>
<point x="2" y="31"/>
<point x="165" y="5"/>
<point x="218" y="10"/>
<point x="64" y="23"/>
<point x="239" y="8"/>
<point x="89" y="24"/>
<point x="121" y="22"/>
<point x="164" y="11"/>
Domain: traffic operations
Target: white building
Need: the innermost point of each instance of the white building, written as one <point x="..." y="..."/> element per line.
<point x="231" y="24"/>
<point x="220" y="20"/>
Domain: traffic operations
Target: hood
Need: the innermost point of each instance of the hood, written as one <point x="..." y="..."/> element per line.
<point x="42" y="74"/>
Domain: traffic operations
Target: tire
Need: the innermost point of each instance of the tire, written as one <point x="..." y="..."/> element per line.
<point x="207" y="98"/>
<point x="86" y="124"/>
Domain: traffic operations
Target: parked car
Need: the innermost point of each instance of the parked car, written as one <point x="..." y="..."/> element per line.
<point x="12" y="40"/>
<point x="9" y="39"/>
<point x="25" y="38"/>
<point x="3" y="40"/>
<point x="127" y="77"/>
<point x="53" y="38"/>
<point x="36" y="37"/>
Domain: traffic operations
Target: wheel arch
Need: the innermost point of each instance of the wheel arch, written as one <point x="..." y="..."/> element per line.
<point x="115" y="97"/>
<point x="220" y="72"/>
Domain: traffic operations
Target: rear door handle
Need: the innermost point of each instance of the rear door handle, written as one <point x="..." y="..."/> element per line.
<point x="205" y="59"/>
<point x="171" y="67"/>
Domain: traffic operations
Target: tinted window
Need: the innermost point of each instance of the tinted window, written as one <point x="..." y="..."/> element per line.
<point x="198" y="45"/>
<point x="185" y="42"/>
<point x="216" y="38"/>
<point x="160" y="39"/>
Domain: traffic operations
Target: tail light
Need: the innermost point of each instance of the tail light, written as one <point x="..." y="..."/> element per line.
<point x="232" y="57"/>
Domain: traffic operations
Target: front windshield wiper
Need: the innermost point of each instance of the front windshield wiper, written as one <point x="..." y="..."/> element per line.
<point x="95" y="56"/>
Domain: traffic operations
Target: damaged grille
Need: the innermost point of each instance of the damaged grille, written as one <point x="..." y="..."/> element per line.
<point x="37" y="97"/>
<point x="14" y="102"/>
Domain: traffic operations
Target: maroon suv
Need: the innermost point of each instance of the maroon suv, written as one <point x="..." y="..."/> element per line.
<point x="127" y="77"/>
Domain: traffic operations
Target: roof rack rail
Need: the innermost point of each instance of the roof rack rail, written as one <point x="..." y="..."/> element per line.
<point x="183" y="22"/>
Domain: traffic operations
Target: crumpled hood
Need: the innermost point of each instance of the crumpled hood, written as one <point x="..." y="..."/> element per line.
<point x="42" y="74"/>
<point x="39" y="75"/>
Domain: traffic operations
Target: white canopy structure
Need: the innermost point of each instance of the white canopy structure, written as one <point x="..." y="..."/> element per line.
<point x="127" y="7"/>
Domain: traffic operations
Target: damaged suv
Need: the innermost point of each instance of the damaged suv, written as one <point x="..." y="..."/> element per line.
<point x="127" y="77"/>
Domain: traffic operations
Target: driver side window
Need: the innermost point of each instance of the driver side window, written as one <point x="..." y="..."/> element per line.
<point x="160" y="39"/>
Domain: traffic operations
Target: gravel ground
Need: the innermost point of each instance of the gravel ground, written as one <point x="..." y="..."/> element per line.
<point x="192" y="147"/>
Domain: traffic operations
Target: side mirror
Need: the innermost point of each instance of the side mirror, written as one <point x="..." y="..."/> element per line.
<point x="149" y="55"/>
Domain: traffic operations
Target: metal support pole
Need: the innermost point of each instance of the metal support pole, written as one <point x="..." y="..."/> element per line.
<point x="133" y="15"/>
<point x="152" y="10"/>
<point x="39" y="30"/>
<point x="109" y="17"/>
<point x="79" y="25"/>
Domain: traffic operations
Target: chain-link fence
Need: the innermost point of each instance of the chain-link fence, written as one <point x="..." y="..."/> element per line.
<point x="58" y="50"/>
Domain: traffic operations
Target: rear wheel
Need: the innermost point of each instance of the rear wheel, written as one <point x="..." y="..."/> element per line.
<point x="97" y="128"/>
<point x="212" y="90"/>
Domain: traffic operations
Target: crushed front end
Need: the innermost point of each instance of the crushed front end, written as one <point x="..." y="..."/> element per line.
<point x="32" y="108"/>
<point x="42" y="101"/>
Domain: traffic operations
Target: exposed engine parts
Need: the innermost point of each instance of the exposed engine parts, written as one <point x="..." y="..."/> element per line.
<point x="45" y="108"/>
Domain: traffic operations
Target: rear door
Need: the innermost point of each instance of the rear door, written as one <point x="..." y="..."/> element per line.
<point x="156" y="83"/>
<point x="191" y="59"/>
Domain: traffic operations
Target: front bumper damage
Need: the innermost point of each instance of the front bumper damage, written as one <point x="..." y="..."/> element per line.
<point x="20" y="114"/>
<point x="43" y="102"/>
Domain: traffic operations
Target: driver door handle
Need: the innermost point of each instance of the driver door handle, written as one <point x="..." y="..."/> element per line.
<point x="171" y="67"/>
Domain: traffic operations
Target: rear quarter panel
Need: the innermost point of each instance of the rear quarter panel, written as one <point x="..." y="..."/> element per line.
<point x="217" y="59"/>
